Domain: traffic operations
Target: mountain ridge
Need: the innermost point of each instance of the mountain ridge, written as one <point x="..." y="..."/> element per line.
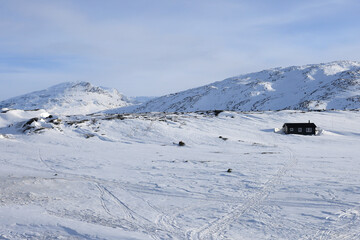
<point x="333" y="85"/>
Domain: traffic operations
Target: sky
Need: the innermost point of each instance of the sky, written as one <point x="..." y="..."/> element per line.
<point x="157" y="47"/>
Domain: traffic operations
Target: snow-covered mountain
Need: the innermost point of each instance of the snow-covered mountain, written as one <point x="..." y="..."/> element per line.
<point x="69" y="98"/>
<point x="334" y="85"/>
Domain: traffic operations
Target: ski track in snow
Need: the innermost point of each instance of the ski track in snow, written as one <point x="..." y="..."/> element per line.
<point x="102" y="199"/>
<point x="45" y="163"/>
<point x="213" y="230"/>
<point x="131" y="217"/>
<point x="136" y="221"/>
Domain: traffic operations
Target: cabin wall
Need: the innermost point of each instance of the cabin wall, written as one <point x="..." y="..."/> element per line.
<point x="299" y="129"/>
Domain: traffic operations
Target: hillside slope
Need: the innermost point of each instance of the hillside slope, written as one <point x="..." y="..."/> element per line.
<point x="334" y="85"/>
<point x="69" y="98"/>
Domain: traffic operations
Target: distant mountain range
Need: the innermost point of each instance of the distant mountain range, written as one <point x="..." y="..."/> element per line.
<point x="334" y="85"/>
<point x="69" y="98"/>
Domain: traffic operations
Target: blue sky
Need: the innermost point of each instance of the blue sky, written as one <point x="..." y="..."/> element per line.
<point x="156" y="47"/>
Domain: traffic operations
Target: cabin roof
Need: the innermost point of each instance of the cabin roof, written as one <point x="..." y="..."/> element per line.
<point x="300" y="124"/>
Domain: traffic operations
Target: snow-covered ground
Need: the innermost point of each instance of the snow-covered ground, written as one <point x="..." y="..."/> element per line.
<point x="125" y="177"/>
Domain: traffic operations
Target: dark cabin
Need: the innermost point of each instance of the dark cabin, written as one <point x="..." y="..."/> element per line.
<point x="300" y="128"/>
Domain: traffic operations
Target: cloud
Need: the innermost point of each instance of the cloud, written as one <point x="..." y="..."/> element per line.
<point x="156" y="47"/>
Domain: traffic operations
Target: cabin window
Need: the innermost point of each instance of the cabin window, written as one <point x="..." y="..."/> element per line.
<point x="308" y="130"/>
<point x="291" y="129"/>
<point x="299" y="129"/>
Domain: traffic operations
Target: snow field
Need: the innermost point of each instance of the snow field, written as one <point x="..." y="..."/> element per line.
<point x="128" y="179"/>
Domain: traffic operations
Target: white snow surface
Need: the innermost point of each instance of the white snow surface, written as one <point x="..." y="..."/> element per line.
<point x="69" y="98"/>
<point x="334" y="85"/>
<point x="113" y="176"/>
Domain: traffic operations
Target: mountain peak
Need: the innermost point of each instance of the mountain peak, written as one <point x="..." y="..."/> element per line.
<point x="69" y="98"/>
<point x="75" y="86"/>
